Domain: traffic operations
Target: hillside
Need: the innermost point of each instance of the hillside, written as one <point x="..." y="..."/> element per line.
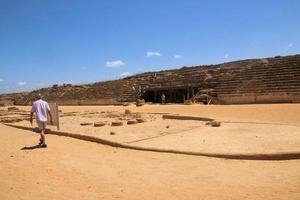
<point x="268" y="80"/>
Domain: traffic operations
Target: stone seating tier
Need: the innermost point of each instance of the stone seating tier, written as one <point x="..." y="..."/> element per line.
<point x="261" y="76"/>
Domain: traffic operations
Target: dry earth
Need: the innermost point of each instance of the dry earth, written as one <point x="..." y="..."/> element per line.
<point x="74" y="169"/>
<point x="245" y="128"/>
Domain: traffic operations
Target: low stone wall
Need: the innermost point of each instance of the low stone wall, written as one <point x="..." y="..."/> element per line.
<point x="87" y="102"/>
<point x="236" y="98"/>
<point x="278" y="98"/>
<point x="258" y="98"/>
<point x="6" y="103"/>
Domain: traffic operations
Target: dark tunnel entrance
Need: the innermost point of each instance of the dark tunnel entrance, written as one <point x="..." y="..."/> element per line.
<point x="172" y="95"/>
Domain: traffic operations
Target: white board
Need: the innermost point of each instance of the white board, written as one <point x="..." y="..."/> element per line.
<point x="55" y="114"/>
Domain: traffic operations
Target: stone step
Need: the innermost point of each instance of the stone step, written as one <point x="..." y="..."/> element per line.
<point x="269" y="77"/>
<point x="263" y="82"/>
<point x="258" y="89"/>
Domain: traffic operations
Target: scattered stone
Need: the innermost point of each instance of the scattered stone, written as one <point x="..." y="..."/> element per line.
<point x="215" y="123"/>
<point x="12" y="108"/>
<point x="188" y="102"/>
<point x="127" y="112"/>
<point x="99" y="124"/>
<point x="132" y="122"/>
<point x="182" y="117"/>
<point x="140" y="102"/>
<point x="4" y="103"/>
<point x="168" y="126"/>
<point x="85" y="124"/>
<point x="112" y="133"/>
<point x="117" y="123"/>
<point x="11" y="119"/>
<point x="125" y="104"/>
<point x="140" y="120"/>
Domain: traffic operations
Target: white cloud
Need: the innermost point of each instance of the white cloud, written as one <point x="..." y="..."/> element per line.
<point x="125" y="74"/>
<point x="114" y="64"/>
<point x="177" y="56"/>
<point x="152" y="53"/>
<point x="226" y="55"/>
<point x="290" y="45"/>
<point x="22" y="83"/>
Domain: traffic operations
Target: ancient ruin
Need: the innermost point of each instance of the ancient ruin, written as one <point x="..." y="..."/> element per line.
<point x="268" y="80"/>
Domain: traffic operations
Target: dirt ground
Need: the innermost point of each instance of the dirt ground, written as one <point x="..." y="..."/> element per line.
<point x="271" y="113"/>
<point x="245" y="128"/>
<point x="74" y="169"/>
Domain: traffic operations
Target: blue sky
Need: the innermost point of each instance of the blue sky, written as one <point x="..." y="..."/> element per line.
<point x="61" y="41"/>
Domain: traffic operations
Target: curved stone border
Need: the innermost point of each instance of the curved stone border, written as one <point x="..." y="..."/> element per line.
<point x="259" y="123"/>
<point x="184" y="117"/>
<point x="271" y="156"/>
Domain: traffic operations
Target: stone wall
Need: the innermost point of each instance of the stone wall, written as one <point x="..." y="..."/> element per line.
<point x="87" y="102"/>
<point x="258" y="98"/>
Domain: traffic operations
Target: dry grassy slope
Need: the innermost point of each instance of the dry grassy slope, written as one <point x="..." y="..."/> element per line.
<point x="269" y="75"/>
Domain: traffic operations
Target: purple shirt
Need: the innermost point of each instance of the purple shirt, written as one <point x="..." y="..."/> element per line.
<point x="41" y="109"/>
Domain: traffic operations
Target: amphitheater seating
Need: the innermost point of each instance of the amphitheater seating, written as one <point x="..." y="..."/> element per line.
<point x="247" y="80"/>
<point x="279" y="75"/>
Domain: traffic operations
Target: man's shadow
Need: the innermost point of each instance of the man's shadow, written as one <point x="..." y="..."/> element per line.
<point x="36" y="130"/>
<point x="31" y="147"/>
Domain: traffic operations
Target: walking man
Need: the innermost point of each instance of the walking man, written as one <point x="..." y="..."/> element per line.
<point x="163" y="98"/>
<point x="41" y="110"/>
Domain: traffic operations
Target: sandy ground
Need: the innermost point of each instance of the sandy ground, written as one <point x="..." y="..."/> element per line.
<point x="271" y="113"/>
<point x="231" y="139"/>
<point x="74" y="169"/>
<point x="245" y="128"/>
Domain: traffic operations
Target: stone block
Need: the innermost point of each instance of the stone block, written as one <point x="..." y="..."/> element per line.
<point x="99" y="124"/>
<point x="127" y="112"/>
<point x="85" y="124"/>
<point x="117" y="124"/>
<point x="129" y="122"/>
<point x="140" y="120"/>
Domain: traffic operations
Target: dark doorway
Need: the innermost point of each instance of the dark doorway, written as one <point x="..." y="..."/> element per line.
<point x="171" y="95"/>
<point x="149" y="96"/>
<point x="176" y="96"/>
